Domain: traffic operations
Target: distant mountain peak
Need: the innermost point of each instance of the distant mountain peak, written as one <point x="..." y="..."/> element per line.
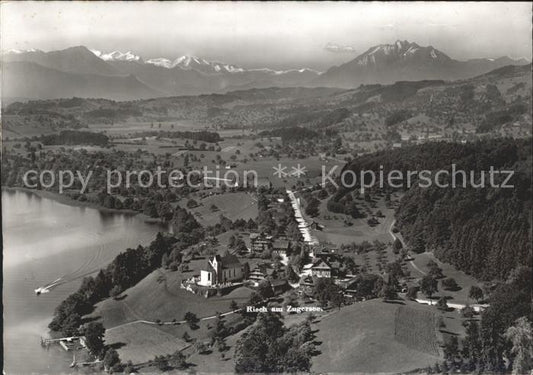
<point x="187" y="61"/>
<point x="405" y="44"/>
<point x="197" y="63"/>
<point x="399" y="50"/>
<point x="117" y="56"/>
<point x="405" y="60"/>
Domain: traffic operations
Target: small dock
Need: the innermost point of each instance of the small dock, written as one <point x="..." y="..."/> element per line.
<point x="67" y="343"/>
<point x="95" y="362"/>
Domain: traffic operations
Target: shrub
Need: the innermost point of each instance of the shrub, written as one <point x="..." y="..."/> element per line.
<point x="442" y="304"/>
<point x="450" y="284"/>
<point x="467" y="312"/>
<point x="412" y="292"/>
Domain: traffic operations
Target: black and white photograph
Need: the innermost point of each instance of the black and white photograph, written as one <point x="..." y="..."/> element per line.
<point x="232" y="187"/>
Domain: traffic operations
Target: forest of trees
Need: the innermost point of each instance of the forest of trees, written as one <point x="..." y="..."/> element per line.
<point x="123" y="111"/>
<point x="202" y="135"/>
<point x="318" y="118"/>
<point x="501" y="341"/>
<point x="401" y="90"/>
<point x="494" y="119"/>
<point x="482" y="231"/>
<point x="75" y="137"/>
<point x="398" y="116"/>
<point x="269" y="347"/>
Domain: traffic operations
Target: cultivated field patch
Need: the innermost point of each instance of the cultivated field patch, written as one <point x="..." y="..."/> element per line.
<point x="416" y="328"/>
<point x="361" y="339"/>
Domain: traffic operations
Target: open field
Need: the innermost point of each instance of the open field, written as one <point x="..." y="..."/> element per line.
<point x="361" y="339"/>
<point x="159" y="296"/>
<point x="140" y="343"/>
<point x="212" y="363"/>
<point x="374" y="261"/>
<point x="15" y="126"/>
<point x="123" y="128"/>
<point x="416" y="328"/>
<point x="239" y="205"/>
<point x="237" y="148"/>
<point x="336" y="231"/>
<point x="264" y="168"/>
<point x="154" y="146"/>
<point x="463" y="280"/>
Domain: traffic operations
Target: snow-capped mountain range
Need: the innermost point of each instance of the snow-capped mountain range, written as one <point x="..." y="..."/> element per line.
<point x="193" y="62"/>
<point x="116" y="56"/>
<point x="190" y="62"/>
<point x="79" y="71"/>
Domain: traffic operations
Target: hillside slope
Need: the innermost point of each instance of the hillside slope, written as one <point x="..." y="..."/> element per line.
<point x="31" y="80"/>
<point x="361" y="338"/>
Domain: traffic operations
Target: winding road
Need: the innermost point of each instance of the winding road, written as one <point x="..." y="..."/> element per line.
<point x="394" y="237"/>
<point x="143" y="321"/>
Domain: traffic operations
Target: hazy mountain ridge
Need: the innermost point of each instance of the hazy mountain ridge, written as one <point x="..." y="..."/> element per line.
<point x="186" y="75"/>
<point x="77" y="60"/>
<point x="492" y="102"/>
<point x="92" y="72"/>
<point x="31" y="80"/>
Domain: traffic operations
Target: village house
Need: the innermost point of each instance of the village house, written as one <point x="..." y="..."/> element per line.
<point x="320" y="268"/>
<point x="326" y="254"/>
<point x="256" y="276"/>
<point x="281" y="247"/>
<point x="307" y="285"/>
<point x="221" y="269"/>
<point x="260" y="242"/>
<point x="316" y="226"/>
<point x="330" y="256"/>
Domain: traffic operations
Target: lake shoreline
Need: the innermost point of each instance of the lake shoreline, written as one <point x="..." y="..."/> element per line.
<point x="66" y="200"/>
<point x="48" y="241"/>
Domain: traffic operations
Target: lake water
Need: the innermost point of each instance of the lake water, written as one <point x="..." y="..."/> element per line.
<point x="44" y="241"/>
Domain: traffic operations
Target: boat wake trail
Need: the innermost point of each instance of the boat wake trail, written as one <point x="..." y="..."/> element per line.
<point x="48" y="287"/>
<point x="91" y="265"/>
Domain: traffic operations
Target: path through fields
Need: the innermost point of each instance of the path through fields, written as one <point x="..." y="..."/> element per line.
<point x="394" y="237"/>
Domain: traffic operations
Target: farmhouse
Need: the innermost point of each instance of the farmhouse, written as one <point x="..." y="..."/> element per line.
<point x="260" y="242"/>
<point x="221" y="269"/>
<point x="256" y="276"/>
<point x="320" y="268"/>
<point x="328" y="255"/>
<point x="316" y="226"/>
<point x="307" y="283"/>
<point x="281" y="247"/>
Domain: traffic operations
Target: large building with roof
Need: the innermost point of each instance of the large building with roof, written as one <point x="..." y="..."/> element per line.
<point x="220" y="270"/>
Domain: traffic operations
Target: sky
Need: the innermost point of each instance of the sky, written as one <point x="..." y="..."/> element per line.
<point x="268" y="34"/>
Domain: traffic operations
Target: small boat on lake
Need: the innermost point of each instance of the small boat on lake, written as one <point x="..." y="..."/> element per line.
<point x="46" y="288"/>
